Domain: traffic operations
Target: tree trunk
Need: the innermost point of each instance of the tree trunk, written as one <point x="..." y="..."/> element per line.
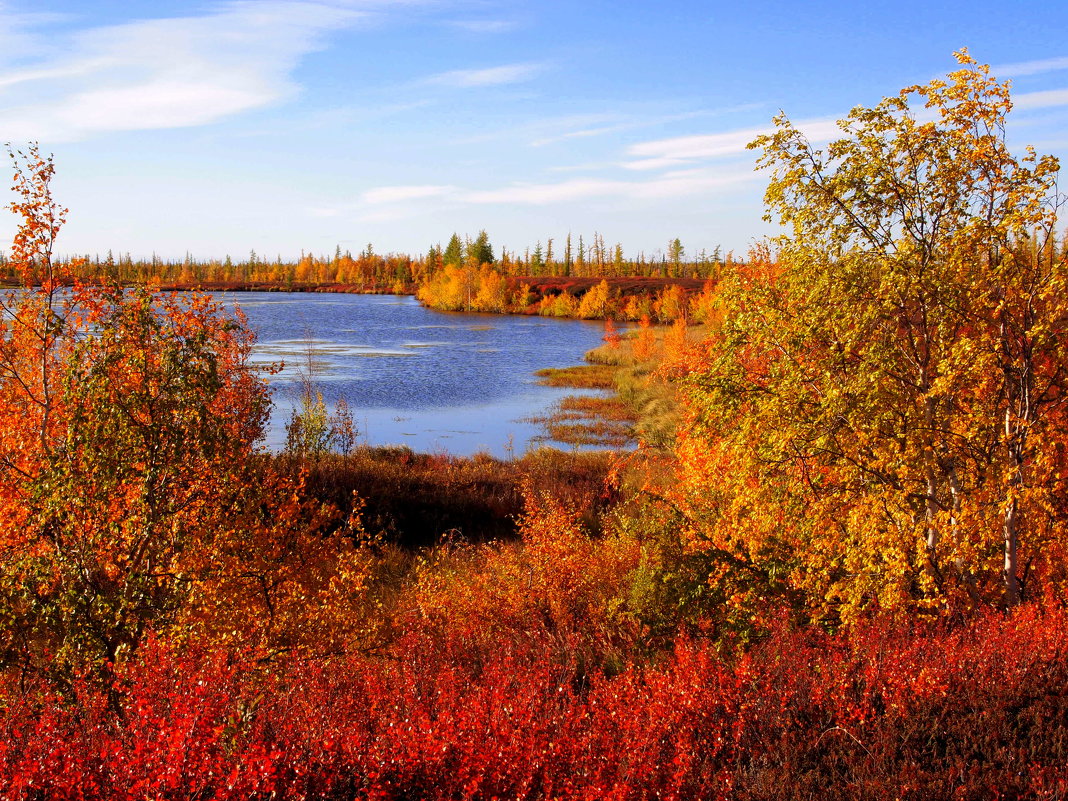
<point x="1012" y="582"/>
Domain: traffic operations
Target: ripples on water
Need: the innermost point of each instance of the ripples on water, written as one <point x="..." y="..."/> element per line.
<point x="430" y="380"/>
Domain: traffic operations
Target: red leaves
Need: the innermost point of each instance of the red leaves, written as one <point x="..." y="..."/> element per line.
<point x="873" y="715"/>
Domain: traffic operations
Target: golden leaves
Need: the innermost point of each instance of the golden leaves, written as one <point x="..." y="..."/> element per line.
<point x="888" y="403"/>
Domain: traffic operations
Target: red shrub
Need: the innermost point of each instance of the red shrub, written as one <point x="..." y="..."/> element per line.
<point x="887" y="712"/>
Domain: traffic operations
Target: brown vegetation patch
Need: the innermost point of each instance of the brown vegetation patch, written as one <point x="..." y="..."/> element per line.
<point x="590" y="420"/>
<point x="588" y="432"/>
<point x="413" y="499"/>
<point x="583" y="376"/>
<point x="610" y="407"/>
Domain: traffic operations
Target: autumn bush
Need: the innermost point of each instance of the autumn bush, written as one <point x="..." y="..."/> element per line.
<point x="132" y="495"/>
<point x="557" y="588"/>
<point x="485" y="288"/>
<point x="908" y="711"/>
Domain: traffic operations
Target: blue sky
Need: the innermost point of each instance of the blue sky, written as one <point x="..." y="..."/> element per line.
<point x="222" y="127"/>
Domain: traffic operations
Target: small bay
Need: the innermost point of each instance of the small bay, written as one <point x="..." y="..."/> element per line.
<point x="434" y="381"/>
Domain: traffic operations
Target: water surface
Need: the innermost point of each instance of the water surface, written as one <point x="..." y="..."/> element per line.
<point x="435" y="381"/>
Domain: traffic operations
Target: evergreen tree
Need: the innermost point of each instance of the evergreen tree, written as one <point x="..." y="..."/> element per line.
<point x="454" y="252"/>
<point x="536" y="263"/>
<point x="480" y="251"/>
<point x="675" y="254"/>
<point x="433" y="257"/>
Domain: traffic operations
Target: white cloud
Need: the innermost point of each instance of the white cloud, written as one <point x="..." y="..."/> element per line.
<point x="673" y="184"/>
<point x="164" y="73"/>
<point x="542" y="194"/>
<point x="617" y="124"/>
<point x="702" y="181"/>
<point x="1050" y="98"/>
<point x="537" y="128"/>
<point x="384" y="203"/>
<point x="326" y="212"/>
<point x="581" y="133"/>
<point x="1030" y="67"/>
<point x="683" y="150"/>
<point x="17" y="37"/>
<point x="587" y="166"/>
<point x="385" y="215"/>
<point x="490" y="76"/>
<point x="399" y="194"/>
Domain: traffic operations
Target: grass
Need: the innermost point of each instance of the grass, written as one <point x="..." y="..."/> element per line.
<point x="583" y="376"/>
<point x="643" y="405"/>
<point x="590" y="420"/>
<point x="609" y="407"/>
<point x="594" y="433"/>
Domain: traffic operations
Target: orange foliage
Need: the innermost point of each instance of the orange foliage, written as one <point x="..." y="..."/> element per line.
<point x="557" y="585"/>
<point x="612" y="337"/>
<point x="643" y="345"/>
<point x="128" y="470"/>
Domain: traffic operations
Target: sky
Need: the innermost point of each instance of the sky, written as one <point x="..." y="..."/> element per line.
<point x="289" y="126"/>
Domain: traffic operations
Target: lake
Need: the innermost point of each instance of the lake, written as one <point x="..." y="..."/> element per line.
<point x="434" y="381"/>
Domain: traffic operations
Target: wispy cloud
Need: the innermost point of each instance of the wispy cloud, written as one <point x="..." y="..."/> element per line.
<point x="164" y="73"/>
<point x="1050" y="98"/>
<point x="684" y="150"/>
<point x="388" y="202"/>
<point x="542" y="194"/>
<point x="587" y="166"/>
<point x="538" y="128"/>
<point x="489" y="76"/>
<point x="1038" y="67"/>
<point x="637" y="124"/>
<point x="18" y="32"/>
<point x="399" y="194"/>
<point x="672" y="184"/>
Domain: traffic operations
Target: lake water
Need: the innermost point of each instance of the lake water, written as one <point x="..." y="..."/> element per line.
<point x="434" y="381"/>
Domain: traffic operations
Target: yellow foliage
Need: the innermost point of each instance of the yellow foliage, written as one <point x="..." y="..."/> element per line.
<point x="879" y="421"/>
<point x="594" y="303"/>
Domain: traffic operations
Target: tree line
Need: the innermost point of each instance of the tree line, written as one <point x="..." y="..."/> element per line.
<point x="370" y="271"/>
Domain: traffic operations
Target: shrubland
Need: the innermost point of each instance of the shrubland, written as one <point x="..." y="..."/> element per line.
<point x="834" y="567"/>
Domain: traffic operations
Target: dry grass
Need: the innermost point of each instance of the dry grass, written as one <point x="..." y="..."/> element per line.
<point x="608" y="407"/>
<point x="601" y="421"/>
<point x="643" y="405"/>
<point x="583" y="376"/>
<point x="592" y="433"/>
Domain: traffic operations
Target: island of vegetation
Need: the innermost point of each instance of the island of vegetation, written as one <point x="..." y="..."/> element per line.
<point x="835" y="566"/>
